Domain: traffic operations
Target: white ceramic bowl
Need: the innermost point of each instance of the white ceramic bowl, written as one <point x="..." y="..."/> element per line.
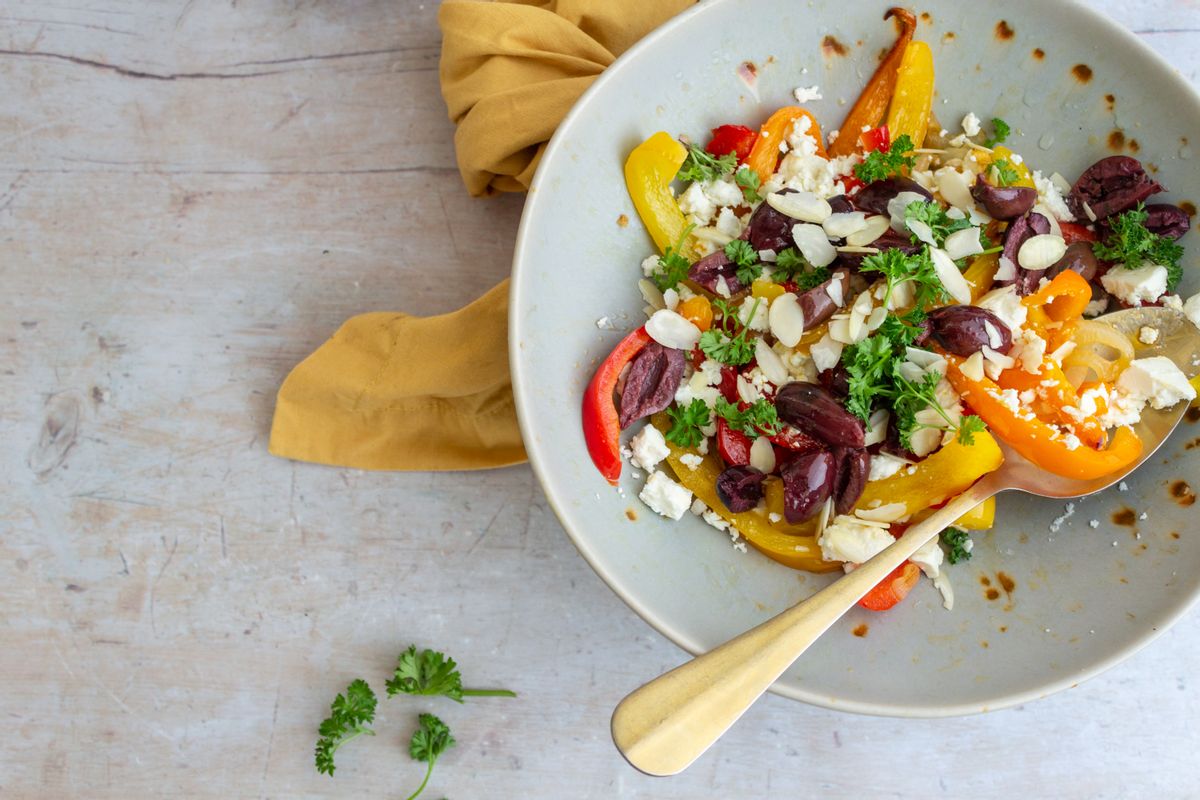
<point x="1084" y="597"/>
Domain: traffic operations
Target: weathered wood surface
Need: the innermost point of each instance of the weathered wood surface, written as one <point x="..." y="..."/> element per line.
<point x="193" y="195"/>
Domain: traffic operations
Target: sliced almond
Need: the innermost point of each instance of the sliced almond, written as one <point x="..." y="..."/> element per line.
<point x="804" y="206"/>
<point x="813" y="243"/>
<point x="762" y="455"/>
<point x="1041" y="252"/>
<point x="845" y="223"/>
<point x="973" y="366"/>
<point x="786" y="319"/>
<point x="873" y="228"/>
<point x="672" y="330"/>
<point x="948" y="274"/>
<point x="964" y="243"/>
<point x="770" y="363"/>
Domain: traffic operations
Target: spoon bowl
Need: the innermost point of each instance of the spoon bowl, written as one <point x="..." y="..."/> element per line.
<point x="663" y="726"/>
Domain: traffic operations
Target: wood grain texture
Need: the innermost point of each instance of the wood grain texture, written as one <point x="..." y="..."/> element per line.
<point x="193" y="195"/>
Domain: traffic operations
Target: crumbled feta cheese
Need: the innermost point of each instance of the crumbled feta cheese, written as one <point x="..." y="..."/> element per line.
<point x="826" y="353"/>
<point x="729" y="224"/>
<point x="1005" y="304"/>
<point x="650" y="265"/>
<point x="1095" y="523"/>
<point x="774" y="518"/>
<point x="1068" y="512"/>
<point x="666" y="497"/>
<point x="970" y="124"/>
<point x="756" y="305"/>
<point x="1095" y="307"/>
<point x="1135" y="286"/>
<point x="1192" y="309"/>
<point x="884" y="466"/>
<point x="1148" y="335"/>
<point x="724" y="193"/>
<point x="852" y="541"/>
<point x="691" y="461"/>
<point x="806" y="94"/>
<point x="1156" y="380"/>
<point x="696" y="204"/>
<point x="714" y="519"/>
<point x="648" y="448"/>
<point x="1050" y="196"/>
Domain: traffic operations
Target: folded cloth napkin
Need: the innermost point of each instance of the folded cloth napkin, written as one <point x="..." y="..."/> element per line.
<point x="394" y="391"/>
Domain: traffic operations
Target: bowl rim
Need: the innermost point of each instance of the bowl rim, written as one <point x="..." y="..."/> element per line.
<point x="525" y="416"/>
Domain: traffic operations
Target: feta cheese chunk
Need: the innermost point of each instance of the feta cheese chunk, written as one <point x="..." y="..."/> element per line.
<point x="970" y="124"/>
<point x="696" y="204"/>
<point x="649" y="448"/>
<point x="1157" y="380"/>
<point x="1136" y="286"/>
<point x="806" y="94"/>
<point x="885" y="466"/>
<point x="851" y="540"/>
<point x="1192" y="309"/>
<point x="666" y="497"/>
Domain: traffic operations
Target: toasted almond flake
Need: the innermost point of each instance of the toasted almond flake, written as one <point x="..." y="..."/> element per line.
<point x="804" y="206"/>
<point x="873" y="228"/>
<point x="973" y="366"/>
<point x="887" y="513"/>
<point x="672" y="330"/>
<point x="870" y="251"/>
<point x="836" y="289"/>
<point x="922" y="231"/>
<point x="844" y="223"/>
<point x="651" y="294"/>
<point x="786" y="319"/>
<point x="964" y="243"/>
<point x="1041" y="252"/>
<point x="769" y="362"/>
<point x="762" y="455"/>
<point x="876" y="427"/>
<point x="948" y="274"/>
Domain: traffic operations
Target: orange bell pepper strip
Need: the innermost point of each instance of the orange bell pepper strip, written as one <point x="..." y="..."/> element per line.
<point x="764" y="156"/>
<point x="1039" y="441"/>
<point x="892" y="589"/>
<point x="649" y="170"/>
<point x="1055" y="399"/>
<point x="601" y="423"/>
<point x="872" y="104"/>
<point x="1054" y="309"/>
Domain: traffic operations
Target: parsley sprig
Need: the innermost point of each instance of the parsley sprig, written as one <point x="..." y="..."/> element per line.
<point x="725" y="342"/>
<point x="349" y="717"/>
<point x="1131" y="244"/>
<point x="956" y="540"/>
<point x="898" y="268"/>
<point x="757" y="418"/>
<point x="793" y="266"/>
<point x="672" y="266"/>
<point x="1001" y="129"/>
<point x="432" y="673"/>
<point x="429" y="741"/>
<point x="701" y="165"/>
<point x="879" y="164"/>
<point x="749" y="182"/>
<point x="686" y="422"/>
<point x="745" y="258"/>
<point x="1003" y="173"/>
<point x="932" y="214"/>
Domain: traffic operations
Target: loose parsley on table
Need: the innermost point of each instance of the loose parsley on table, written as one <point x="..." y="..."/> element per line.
<point x="956" y="541"/>
<point x="686" y="422"/>
<point x="701" y="165"/>
<point x="432" y="673"/>
<point x="879" y="165"/>
<point x="349" y="717"/>
<point x="757" y="418"/>
<point x="745" y="258"/>
<point x="1001" y="129"/>
<point x="428" y="742"/>
<point x="672" y="265"/>
<point x="1131" y="244"/>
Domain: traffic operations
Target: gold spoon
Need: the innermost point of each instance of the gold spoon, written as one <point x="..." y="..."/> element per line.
<point x="669" y="722"/>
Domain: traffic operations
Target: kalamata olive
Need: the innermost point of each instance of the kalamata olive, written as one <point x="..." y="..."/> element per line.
<point x="1003" y="202"/>
<point x="840" y="204"/>
<point x="1019" y="230"/>
<point x="816" y="303"/>
<point x="740" y="488"/>
<point x="893" y="447"/>
<point x="836" y="381"/>
<point x="1167" y="220"/>
<point x="815" y="411"/>
<point x="709" y="270"/>
<point x="1078" y="258"/>
<point x="1110" y="186"/>
<point x="853" y="468"/>
<point x="874" y="197"/>
<point x="808" y="481"/>
<point x="769" y="229"/>
<point x="964" y="330"/>
<point x="651" y="383"/>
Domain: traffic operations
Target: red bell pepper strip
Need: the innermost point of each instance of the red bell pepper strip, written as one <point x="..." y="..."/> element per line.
<point x="736" y="139"/>
<point x="733" y="445"/>
<point x="892" y="589"/>
<point x="1074" y="232"/>
<point x="601" y="425"/>
<point x="876" y="139"/>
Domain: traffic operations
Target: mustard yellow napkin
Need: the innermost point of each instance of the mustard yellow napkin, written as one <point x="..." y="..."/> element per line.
<point x="395" y="391"/>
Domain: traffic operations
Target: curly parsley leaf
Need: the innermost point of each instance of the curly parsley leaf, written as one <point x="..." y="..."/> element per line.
<point x="791" y="265"/>
<point x="879" y="165"/>
<point x="349" y="717"/>
<point x="956" y="541"/>
<point x="749" y="182"/>
<point x="869" y="367"/>
<point x="1131" y="244"/>
<point x="672" y="265"/>
<point x="757" y="418"/>
<point x="1001" y="130"/>
<point x="429" y="741"/>
<point x="745" y="258"/>
<point x="898" y="268"/>
<point x="1003" y="173"/>
<point x="432" y="673"/>
<point x="686" y="422"/>
<point x="726" y="344"/>
<point x="933" y="215"/>
<point x="968" y="426"/>
<point x="701" y="165"/>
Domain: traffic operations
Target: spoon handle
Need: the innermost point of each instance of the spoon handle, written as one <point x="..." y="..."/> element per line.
<point x="665" y="725"/>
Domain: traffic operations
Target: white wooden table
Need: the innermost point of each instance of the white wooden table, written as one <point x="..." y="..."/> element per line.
<point x="193" y="195"/>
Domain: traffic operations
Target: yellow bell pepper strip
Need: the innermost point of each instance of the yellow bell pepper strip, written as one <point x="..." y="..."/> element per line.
<point x="1195" y="382"/>
<point x="795" y="551"/>
<point x="1000" y="152"/>
<point x="981" y="273"/>
<point x="1054" y="395"/>
<point x="912" y="99"/>
<point x="649" y="171"/>
<point x="872" y="104"/>
<point x="766" y="289"/>
<point x="764" y="156"/>
<point x="1039" y="441"/>
<point x="945" y="474"/>
<point x="980" y="518"/>
<point x="601" y="424"/>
